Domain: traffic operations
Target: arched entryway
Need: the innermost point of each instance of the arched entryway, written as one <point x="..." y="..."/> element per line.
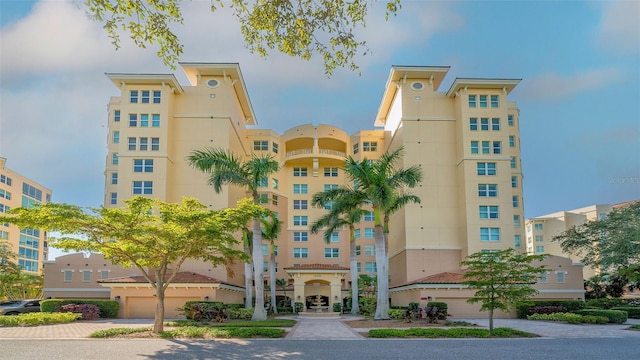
<point x="317" y="286"/>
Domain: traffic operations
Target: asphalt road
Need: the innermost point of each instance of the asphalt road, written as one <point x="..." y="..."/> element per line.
<point x="173" y="349"/>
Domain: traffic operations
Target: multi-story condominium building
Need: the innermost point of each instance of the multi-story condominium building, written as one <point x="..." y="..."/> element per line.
<point x="465" y="140"/>
<point x="30" y="245"/>
<point x="541" y="230"/>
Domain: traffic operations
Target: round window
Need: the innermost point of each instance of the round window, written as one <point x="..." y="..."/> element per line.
<point x="213" y="83"/>
<point x="417" y="85"/>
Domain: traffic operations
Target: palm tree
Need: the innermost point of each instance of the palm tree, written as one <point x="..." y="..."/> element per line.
<point x="270" y="231"/>
<point x="225" y="168"/>
<point x="382" y="185"/>
<point x="282" y="284"/>
<point x="345" y="211"/>
<point x="247" y="236"/>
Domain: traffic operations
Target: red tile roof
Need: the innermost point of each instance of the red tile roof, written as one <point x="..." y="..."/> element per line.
<point x="316" y="267"/>
<point x="183" y="277"/>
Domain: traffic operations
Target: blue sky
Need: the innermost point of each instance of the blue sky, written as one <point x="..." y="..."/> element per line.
<point x="579" y="97"/>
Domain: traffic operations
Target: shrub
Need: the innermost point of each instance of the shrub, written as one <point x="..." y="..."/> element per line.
<point x="117" y="331"/>
<point x="240" y="314"/>
<point x="442" y="306"/>
<point x="591" y="319"/>
<point x="446" y="333"/>
<point x="523" y="308"/>
<point x="614" y="316"/>
<point x="367" y="306"/>
<point x="632" y="311"/>
<point x="200" y="332"/>
<point x="337" y="307"/>
<point x="397" y="314"/>
<point x="550" y="309"/>
<point x="108" y="308"/>
<point x="571" y="318"/>
<point x="88" y="311"/>
<point x="299" y="307"/>
<point x="605" y="303"/>
<point x="38" y="318"/>
<point x="202" y="310"/>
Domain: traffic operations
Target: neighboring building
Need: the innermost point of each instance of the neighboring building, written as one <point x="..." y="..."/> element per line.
<point x="542" y="229"/>
<point x="30" y="245"/>
<point x="465" y="139"/>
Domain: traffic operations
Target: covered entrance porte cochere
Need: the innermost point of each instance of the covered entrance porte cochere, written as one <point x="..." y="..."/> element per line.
<point x="317" y="286"/>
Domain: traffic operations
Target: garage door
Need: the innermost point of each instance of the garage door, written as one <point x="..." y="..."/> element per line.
<point x="145" y="307"/>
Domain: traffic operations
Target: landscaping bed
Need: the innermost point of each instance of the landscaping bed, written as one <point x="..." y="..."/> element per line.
<point x="386" y="324"/>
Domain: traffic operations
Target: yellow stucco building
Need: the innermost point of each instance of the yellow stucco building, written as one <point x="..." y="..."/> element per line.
<point x="30" y="245"/>
<point x="465" y="139"/>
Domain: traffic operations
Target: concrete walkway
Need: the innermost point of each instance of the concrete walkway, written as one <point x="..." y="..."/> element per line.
<point x="323" y="329"/>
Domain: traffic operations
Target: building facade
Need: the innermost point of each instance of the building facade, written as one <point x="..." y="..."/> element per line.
<point x="30" y="245"/>
<point x="466" y="140"/>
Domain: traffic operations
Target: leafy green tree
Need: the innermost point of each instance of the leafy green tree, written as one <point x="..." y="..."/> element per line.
<point x="611" y="244"/>
<point x="297" y="28"/>
<point x="16" y="285"/>
<point x="225" y="168"/>
<point x="153" y="236"/>
<point x="282" y="284"/>
<point x="383" y="185"/>
<point x="594" y="288"/>
<point x="368" y="285"/>
<point x="501" y="279"/>
<point x="271" y="228"/>
<point x="345" y="211"/>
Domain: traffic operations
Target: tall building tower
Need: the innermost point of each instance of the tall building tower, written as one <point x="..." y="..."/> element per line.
<point x="30" y="245"/>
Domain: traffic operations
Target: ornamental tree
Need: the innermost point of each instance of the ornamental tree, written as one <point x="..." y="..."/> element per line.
<point x="154" y="236"/>
<point x="501" y="279"/>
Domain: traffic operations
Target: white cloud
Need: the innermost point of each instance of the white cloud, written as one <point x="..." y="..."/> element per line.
<point x="619" y="27"/>
<point x="553" y="86"/>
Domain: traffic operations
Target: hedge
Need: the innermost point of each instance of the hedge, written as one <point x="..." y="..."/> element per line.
<point x="523" y="308"/>
<point x="108" y="308"/>
<point x="605" y="303"/>
<point x="632" y="311"/>
<point x="614" y="316"/>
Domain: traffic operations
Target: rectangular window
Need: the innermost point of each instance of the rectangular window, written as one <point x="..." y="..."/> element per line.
<point x="369" y="233"/>
<point x="104" y="274"/>
<point x="486" y="147"/>
<point x="472" y="101"/>
<point x="144" y="143"/>
<point x="328" y="187"/>
<point x="114" y="178"/>
<point x="487" y="190"/>
<point x="116" y="115"/>
<point x="300" y="253"/>
<point x="328" y="205"/>
<point x="275" y="183"/>
<point x="300" y="189"/>
<point x="155" y="120"/>
<point x="68" y="275"/>
<point x="300" y="220"/>
<point x="560" y="276"/>
<point x="483" y="101"/>
<point x="495" y="102"/>
<point x="489" y="234"/>
<point x="5" y="194"/>
<point x="133" y="143"/>
<point x="537" y="227"/>
<point x="144" y="120"/>
<point x="116" y="137"/>
<point x="488" y="212"/>
<point x="5" y="180"/>
<point x="369" y="216"/>
<point x="540" y="249"/>
<point x="133" y="120"/>
<point x="495" y="124"/>
<point x="370" y="146"/>
<point x="484" y="124"/>
<point x="263" y="198"/>
<point x="157" y="96"/>
<point x="335" y="237"/>
<point x="516" y="241"/>
<point x="274" y="199"/>
<point x="299" y="236"/>
<point x="114" y="159"/>
<point x="86" y="276"/>
<point x="542" y="277"/>
<point x="300" y="171"/>
<point x="473" y="124"/>
<point x="331" y="172"/>
<point x="512" y="141"/>
<point x="514" y="162"/>
<point x="539" y="238"/>
<point x="274" y="147"/>
<point x="260" y="145"/>
<point x="155" y="144"/>
<point x="359" y="267"/>
<point x="516" y="220"/>
<point x="515" y="200"/>
<point x="263" y="182"/>
<point x="370" y="267"/>
<point x="356" y="148"/>
<point x="485" y="168"/>
<point x="145" y="97"/>
<point x="133" y="96"/>
<point x="514" y="181"/>
<point x="143" y="187"/>
<point x="358" y="250"/>
<point x="474" y="147"/>
<point x="113" y="198"/>
<point x="300" y="204"/>
<point x="497" y="147"/>
<point x="356" y="234"/>
<point x="370" y="250"/>
<point x="331" y="253"/>
<point x="510" y="120"/>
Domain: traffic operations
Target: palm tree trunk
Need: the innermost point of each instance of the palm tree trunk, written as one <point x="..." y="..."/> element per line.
<point x="248" y="282"/>
<point x="382" y="308"/>
<point x="354" y="278"/>
<point x="259" y="312"/>
<point x="272" y="280"/>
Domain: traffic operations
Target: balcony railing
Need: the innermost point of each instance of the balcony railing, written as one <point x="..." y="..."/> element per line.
<point x="310" y="152"/>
